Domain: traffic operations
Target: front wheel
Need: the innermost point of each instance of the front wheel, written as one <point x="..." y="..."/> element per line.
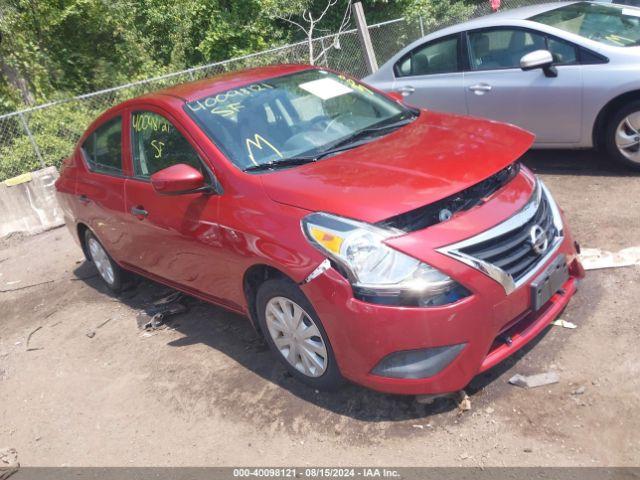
<point x="108" y="270"/>
<point x="623" y="135"/>
<point x="296" y="335"/>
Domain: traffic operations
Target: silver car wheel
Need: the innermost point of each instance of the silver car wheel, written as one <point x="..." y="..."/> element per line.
<point x="628" y="137"/>
<point x="101" y="261"/>
<point x="296" y="336"/>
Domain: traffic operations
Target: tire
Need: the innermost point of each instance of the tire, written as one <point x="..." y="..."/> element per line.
<point x="309" y="349"/>
<point x="624" y="126"/>
<point x="110" y="273"/>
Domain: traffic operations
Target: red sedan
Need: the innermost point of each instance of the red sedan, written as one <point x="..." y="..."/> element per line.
<point x="403" y="249"/>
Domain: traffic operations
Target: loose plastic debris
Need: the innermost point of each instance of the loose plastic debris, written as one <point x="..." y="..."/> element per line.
<point x="155" y="315"/>
<point x="564" y="323"/>
<point x="532" y="381"/>
<point x="594" y="258"/>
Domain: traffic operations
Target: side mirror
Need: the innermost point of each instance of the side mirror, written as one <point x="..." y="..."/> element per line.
<point x="178" y="180"/>
<point x="397" y="96"/>
<point x="539" y="59"/>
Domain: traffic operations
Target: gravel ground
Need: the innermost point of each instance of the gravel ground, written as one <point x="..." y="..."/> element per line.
<point x="90" y="389"/>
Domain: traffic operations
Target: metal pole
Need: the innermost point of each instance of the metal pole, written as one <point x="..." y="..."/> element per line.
<point x="421" y="27"/>
<point x="365" y="39"/>
<point x="31" y="139"/>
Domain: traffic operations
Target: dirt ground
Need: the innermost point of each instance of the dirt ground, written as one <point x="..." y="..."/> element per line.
<point x="208" y="392"/>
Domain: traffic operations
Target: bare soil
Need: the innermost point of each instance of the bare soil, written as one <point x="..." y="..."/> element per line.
<point x="208" y="392"/>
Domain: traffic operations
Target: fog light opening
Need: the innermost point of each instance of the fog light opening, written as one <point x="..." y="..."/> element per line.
<point x="415" y="364"/>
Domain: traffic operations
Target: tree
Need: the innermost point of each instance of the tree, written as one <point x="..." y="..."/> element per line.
<point x="435" y="13"/>
<point x="306" y="18"/>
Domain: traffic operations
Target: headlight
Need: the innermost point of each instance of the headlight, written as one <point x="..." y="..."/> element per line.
<point x="377" y="272"/>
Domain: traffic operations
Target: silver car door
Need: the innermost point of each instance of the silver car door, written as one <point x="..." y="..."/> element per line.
<point x="496" y="87"/>
<point x="430" y="76"/>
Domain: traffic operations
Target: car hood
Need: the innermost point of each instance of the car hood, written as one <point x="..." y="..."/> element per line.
<point x="435" y="156"/>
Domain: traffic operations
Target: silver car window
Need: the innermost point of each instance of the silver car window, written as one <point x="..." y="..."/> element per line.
<point x="610" y="24"/>
<point x="436" y="57"/>
<point x="493" y="49"/>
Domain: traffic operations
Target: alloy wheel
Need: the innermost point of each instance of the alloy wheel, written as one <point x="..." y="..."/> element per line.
<point x="628" y="137"/>
<point x="296" y="336"/>
<point x="101" y="261"/>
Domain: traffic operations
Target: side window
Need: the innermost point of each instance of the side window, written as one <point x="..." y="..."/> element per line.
<point x="156" y="144"/>
<point x="502" y="48"/>
<point x="103" y="148"/>
<point x="563" y="52"/>
<point x="435" y="57"/>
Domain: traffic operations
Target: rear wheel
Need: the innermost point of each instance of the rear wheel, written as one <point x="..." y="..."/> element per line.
<point x="623" y="135"/>
<point x="108" y="270"/>
<point x="296" y="335"/>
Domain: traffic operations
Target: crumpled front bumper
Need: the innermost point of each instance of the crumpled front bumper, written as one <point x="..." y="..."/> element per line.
<point x="363" y="334"/>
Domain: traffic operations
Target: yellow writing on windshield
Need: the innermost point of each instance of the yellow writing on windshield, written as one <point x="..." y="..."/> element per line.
<point x="259" y="142"/>
<point x="228" y="103"/>
<point x="355" y="85"/>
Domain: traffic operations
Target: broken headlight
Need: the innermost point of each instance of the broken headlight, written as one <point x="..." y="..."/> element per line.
<point x="377" y="272"/>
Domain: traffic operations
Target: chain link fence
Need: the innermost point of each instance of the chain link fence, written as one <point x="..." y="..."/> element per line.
<point x="43" y="136"/>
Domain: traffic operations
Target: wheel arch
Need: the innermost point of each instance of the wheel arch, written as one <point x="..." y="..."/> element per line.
<point x="253" y="277"/>
<point x="81" y="230"/>
<point x="599" y="127"/>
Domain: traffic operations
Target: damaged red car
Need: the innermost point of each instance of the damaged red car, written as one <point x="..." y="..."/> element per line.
<point x="402" y="249"/>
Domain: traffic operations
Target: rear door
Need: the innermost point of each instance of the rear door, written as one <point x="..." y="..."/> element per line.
<point x="430" y="76"/>
<point x="176" y="237"/>
<point x="100" y="184"/>
<point x="497" y="88"/>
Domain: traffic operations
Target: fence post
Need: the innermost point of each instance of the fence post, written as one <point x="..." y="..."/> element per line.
<point x="421" y="27"/>
<point x="31" y="139"/>
<point x="365" y="39"/>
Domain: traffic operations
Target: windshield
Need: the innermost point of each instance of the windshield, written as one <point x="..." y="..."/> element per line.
<point x="304" y="114"/>
<point x="610" y="24"/>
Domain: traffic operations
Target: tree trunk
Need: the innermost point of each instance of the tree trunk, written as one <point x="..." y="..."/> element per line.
<point x="17" y="81"/>
<point x="310" y="40"/>
<point x="13" y="76"/>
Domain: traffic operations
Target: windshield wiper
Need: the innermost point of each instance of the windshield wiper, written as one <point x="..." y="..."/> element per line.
<point x="357" y="138"/>
<point x="345" y="144"/>
<point x="287" y="162"/>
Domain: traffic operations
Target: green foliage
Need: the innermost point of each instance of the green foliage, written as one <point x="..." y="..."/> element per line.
<point x="55" y="49"/>
<point x="53" y="129"/>
<point x="435" y="13"/>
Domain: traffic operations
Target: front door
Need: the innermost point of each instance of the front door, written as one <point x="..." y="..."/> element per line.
<point x="173" y="237"/>
<point x="497" y="88"/>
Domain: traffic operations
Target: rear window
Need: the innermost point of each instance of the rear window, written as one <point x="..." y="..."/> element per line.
<point x="615" y="25"/>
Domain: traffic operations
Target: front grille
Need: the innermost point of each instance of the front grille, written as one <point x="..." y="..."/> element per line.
<point x="513" y="252"/>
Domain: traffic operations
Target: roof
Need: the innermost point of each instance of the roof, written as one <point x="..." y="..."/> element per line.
<point x="499" y="18"/>
<point x="210" y="86"/>
<point x="491" y="20"/>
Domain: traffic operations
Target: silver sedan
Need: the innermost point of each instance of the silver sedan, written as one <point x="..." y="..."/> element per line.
<point x="568" y="71"/>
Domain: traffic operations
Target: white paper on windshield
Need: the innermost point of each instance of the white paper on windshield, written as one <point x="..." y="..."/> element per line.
<point x="326" y="88"/>
<point x="632" y="12"/>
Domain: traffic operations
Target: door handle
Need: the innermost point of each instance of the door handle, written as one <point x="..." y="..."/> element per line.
<point x="139" y="211"/>
<point x="84" y="199"/>
<point x="480" y="88"/>
<point x="407" y="90"/>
